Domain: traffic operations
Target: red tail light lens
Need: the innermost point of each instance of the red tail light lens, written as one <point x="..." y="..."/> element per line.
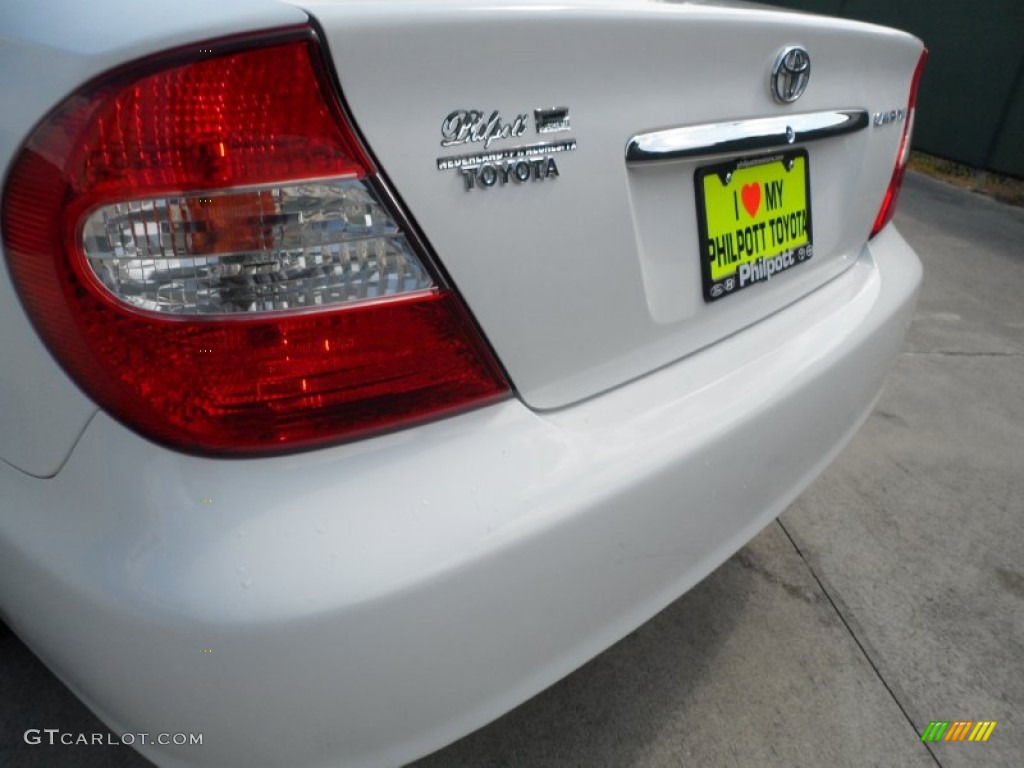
<point x="208" y="251"/>
<point x="892" y="193"/>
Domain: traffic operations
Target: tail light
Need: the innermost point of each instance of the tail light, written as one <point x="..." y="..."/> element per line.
<point x="888" y="208"/>
<point x="204" y="245"/>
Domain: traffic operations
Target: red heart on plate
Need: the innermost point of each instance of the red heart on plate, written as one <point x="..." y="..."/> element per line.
<point x="751" y="195"/>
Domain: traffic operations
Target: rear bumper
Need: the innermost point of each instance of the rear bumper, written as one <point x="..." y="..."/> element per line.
<point x="365" y="604"/>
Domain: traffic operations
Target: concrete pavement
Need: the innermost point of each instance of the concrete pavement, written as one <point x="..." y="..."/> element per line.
<point x="890" y="594"/>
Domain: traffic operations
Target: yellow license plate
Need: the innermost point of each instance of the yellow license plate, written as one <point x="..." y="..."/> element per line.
<point x="754" y="217"/>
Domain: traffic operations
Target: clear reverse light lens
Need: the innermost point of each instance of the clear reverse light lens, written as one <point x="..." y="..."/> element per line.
<point x="289" y="246"/>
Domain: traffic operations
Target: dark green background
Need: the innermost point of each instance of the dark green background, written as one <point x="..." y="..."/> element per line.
<point x="971" y="103"/>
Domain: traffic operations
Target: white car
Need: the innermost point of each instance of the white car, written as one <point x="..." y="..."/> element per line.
<point x="369" y="366"/>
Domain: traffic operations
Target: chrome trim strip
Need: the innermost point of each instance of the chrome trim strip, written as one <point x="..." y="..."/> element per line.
<point x="742" y="135"/>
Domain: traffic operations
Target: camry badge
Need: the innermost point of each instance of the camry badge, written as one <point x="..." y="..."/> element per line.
<point x="888" y="117"/>
<point x="790" y="74"/>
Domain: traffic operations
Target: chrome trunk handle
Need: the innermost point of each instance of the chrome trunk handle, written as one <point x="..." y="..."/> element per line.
<point x="754" y="135"/>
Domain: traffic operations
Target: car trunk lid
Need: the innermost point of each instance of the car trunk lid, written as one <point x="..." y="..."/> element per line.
<point x="510" y="133"/>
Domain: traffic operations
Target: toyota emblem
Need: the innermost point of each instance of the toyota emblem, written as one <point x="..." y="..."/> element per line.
<point x="790" y="74"/>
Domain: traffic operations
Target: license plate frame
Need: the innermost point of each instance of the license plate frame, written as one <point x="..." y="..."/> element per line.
<point x="770" y="229"/>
